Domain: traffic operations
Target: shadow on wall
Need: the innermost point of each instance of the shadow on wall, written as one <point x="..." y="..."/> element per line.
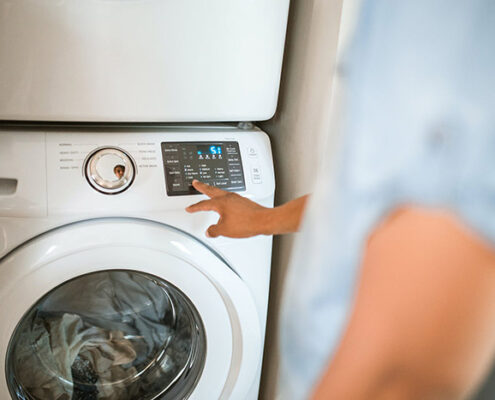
<point x="298" y="133"/>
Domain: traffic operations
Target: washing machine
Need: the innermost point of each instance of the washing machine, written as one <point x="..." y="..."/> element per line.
<point x="108" y="110"/>
<point x="109" y="290"/>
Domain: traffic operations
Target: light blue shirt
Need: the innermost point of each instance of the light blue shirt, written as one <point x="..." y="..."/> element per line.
<point x="419" y="129"/>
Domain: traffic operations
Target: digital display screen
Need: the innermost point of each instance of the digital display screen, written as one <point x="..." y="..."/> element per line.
<point x="217" y="164"/>
<point x="209" y="149"/>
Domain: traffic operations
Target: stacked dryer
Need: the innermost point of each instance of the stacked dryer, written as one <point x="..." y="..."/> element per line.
<point x="108" y="110"/>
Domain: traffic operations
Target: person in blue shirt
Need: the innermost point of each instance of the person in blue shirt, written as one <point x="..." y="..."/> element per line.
<point x="391" y="291"/>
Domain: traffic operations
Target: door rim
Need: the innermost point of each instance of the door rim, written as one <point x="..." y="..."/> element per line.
<point x="93" y="235"/>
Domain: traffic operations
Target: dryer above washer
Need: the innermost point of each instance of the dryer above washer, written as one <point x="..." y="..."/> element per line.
<point x="141" y="60"/>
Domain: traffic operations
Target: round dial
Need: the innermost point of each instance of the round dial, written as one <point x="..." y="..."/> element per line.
<point x="110" y="170"/>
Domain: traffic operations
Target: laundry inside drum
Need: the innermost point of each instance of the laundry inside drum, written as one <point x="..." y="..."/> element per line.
<point x="108" y="335"/>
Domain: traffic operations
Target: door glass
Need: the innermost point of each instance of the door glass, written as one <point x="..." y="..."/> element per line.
<point x="108" y="335"/>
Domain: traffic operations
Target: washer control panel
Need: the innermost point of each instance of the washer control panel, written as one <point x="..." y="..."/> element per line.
<point x="109" y="170"/>
<point x="215" y="163"/>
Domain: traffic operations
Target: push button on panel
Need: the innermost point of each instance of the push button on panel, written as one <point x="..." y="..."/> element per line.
<point x="252" y="152"/>
<point x="256" y="175"/>
<point x="215" y="163"/>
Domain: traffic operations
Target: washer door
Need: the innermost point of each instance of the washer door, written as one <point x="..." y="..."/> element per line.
<point x="124" y="309"/>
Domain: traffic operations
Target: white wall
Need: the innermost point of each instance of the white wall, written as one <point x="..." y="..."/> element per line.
<point x="299" y="132"/>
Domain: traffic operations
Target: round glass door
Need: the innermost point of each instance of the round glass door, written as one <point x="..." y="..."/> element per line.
<point x="108" y="335"/>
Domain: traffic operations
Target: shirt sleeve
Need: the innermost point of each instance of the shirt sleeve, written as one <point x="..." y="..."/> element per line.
<point x="419" y="129"/>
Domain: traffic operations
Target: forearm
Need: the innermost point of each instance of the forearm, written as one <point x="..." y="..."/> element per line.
<point x="285" y="218"/>
<point x="243" y="218"/>
<point x="422" y="326"/>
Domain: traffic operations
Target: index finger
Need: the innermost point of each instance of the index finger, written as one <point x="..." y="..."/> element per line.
<point x="205" y="205"/>
<point x="210" y="191"/>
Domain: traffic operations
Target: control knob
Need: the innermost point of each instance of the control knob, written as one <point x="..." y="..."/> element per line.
<point x="110" y="170"/>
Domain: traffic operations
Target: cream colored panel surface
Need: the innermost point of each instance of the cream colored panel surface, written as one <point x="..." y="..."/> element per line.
<point x="22" y="174"/>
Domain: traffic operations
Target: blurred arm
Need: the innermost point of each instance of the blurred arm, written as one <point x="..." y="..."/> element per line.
<point x="423" y="324"/>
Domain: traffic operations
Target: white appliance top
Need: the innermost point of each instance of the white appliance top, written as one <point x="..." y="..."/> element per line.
<point x="140" y="60"/>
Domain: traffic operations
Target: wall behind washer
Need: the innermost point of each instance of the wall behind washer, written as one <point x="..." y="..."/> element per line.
<point x="299" y="132"/>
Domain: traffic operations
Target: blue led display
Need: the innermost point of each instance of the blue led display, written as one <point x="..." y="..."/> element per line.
<point x="209" y="149"/>
<point x="215" y="150"/>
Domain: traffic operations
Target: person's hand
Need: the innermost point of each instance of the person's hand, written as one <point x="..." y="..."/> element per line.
<point x="239" y="217"/>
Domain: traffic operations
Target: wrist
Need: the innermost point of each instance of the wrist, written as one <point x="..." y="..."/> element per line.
<point x="264" y="221"/>
<point x="286" y="218"/>
<point x="271" y="221"/>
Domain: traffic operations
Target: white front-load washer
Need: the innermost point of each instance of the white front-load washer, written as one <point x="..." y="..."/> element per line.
<point x="109" y="289"/>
